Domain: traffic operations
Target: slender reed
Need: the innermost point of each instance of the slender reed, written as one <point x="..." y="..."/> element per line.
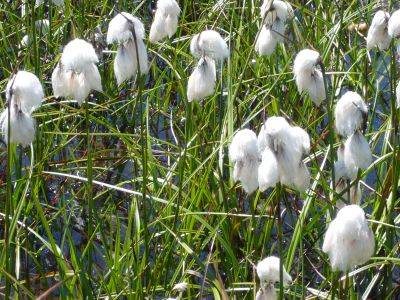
<point x="9" y="200"/>
<point x="89" y="184"/>
<point x="143" y="138"/>
<point x="280" y="242"/>
<point x="330" y="126"/>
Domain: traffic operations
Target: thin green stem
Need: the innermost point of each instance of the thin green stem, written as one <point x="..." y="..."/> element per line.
<point x="280" y="242"/>
<point x="89" y="184"/>
<point x="9" y="196"/>
<point x="330" y="128"/>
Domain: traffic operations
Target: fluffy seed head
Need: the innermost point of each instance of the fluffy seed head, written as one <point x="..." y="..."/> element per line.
<point x="180" y="287"/>
<point x="266" y="293"/>
<point x="300" y="178"/>
<point x="245" y="171"/>
<point x="301" y="139"/>
<point x="357" y="153"/>
<point x="308" y="77"/>
<point x="350" y="113"/>
<point x="349" y="241"/>
<point x="201" y="83"/>
<point x="268" y="271"/>
<point x="76" y="74"/>
<point x="209" y="43"/>
<point x="378" y="35"/>
<point x="25" y="42"/>
<point x="25" y="90"/>
<point x="22" y="126"/>
<point x="126" y="61"/>
<point x="165" y="21"/>
<point x="273" y="27"/>
<point x="343" y="171"/>
<point x="279" y="11"/>
<point x="56" y="2"/>
<point x="268" y="171"/>
<point x="243" y="146"/>
<point x="243" y="153"/>
<point x="289" y="145"/>
<point x="305" y="62"/>
<point x="78" y="55"/>
<point x="312" y="85"/>
<point x="266" y="41"/>
<point x="168" y="7"/>
<point x="121" y="27"/>
<point x="273" y="133"/>
<point x="394" y="25"/>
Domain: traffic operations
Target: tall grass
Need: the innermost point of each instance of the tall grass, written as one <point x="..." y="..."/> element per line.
<point x="132" y="194"/>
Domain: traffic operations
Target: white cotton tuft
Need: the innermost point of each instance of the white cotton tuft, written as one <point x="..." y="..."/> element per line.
<point x="180" y="287"/>
<point x="301" y="177"/>
<point x="398" y="95"/>
<point x="266" y="293"/>
<point x="273" y="133"/>
<point x="132" y="53"/>
<point x="301" y="139"/>
<point x="314" y="86"/>
<point x="125" y="66"/>
<point x="268" y="271"/>
<point x="165" y="21"/>
<point x="78" y="55"/>
<point x="60" y="83"/>
<point x="93" y="77"/>
<point x="273" y="27"/>
<point x="289" y="145"/>
<point x="168" y="7"/>
<point x="341" y="169"/>
<point x="378" y="35"/>
<point x="291" y="168"/>
<point x="22" y="126"/>
<point x="350" y="112"/>
<point x="76" y="73"/>
<point x="201" y="83"/>
<point x="266" y="41"/>
<point x="305" y="62"/>
<point x="268" y="172"/>
<point x="25" y="90"/>
<point x="25" y="41"/>
<point x="243" y="152"/>
<point x="308" y="77"/>
<point x="121" y="27"/>
<point x="394" y="25"/>
<point x="293" y="172"/>
<point x="349" y="241"/>
<point x="343" y="174"/>
<point x="209" y="43"/>
<point x="245" y="171"/>
<point x="126" y="61"/>
<point x="243" y="145"/>
<point x="279" y="11"/>
<point x="56" y="2"/>
<point x="357" y="153"/>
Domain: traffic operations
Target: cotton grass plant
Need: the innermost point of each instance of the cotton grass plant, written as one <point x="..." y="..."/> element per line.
<point x="152" y="172"/>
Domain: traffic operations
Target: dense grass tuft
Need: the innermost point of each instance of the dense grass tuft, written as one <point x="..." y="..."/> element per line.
<point x="132" y="193"/>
